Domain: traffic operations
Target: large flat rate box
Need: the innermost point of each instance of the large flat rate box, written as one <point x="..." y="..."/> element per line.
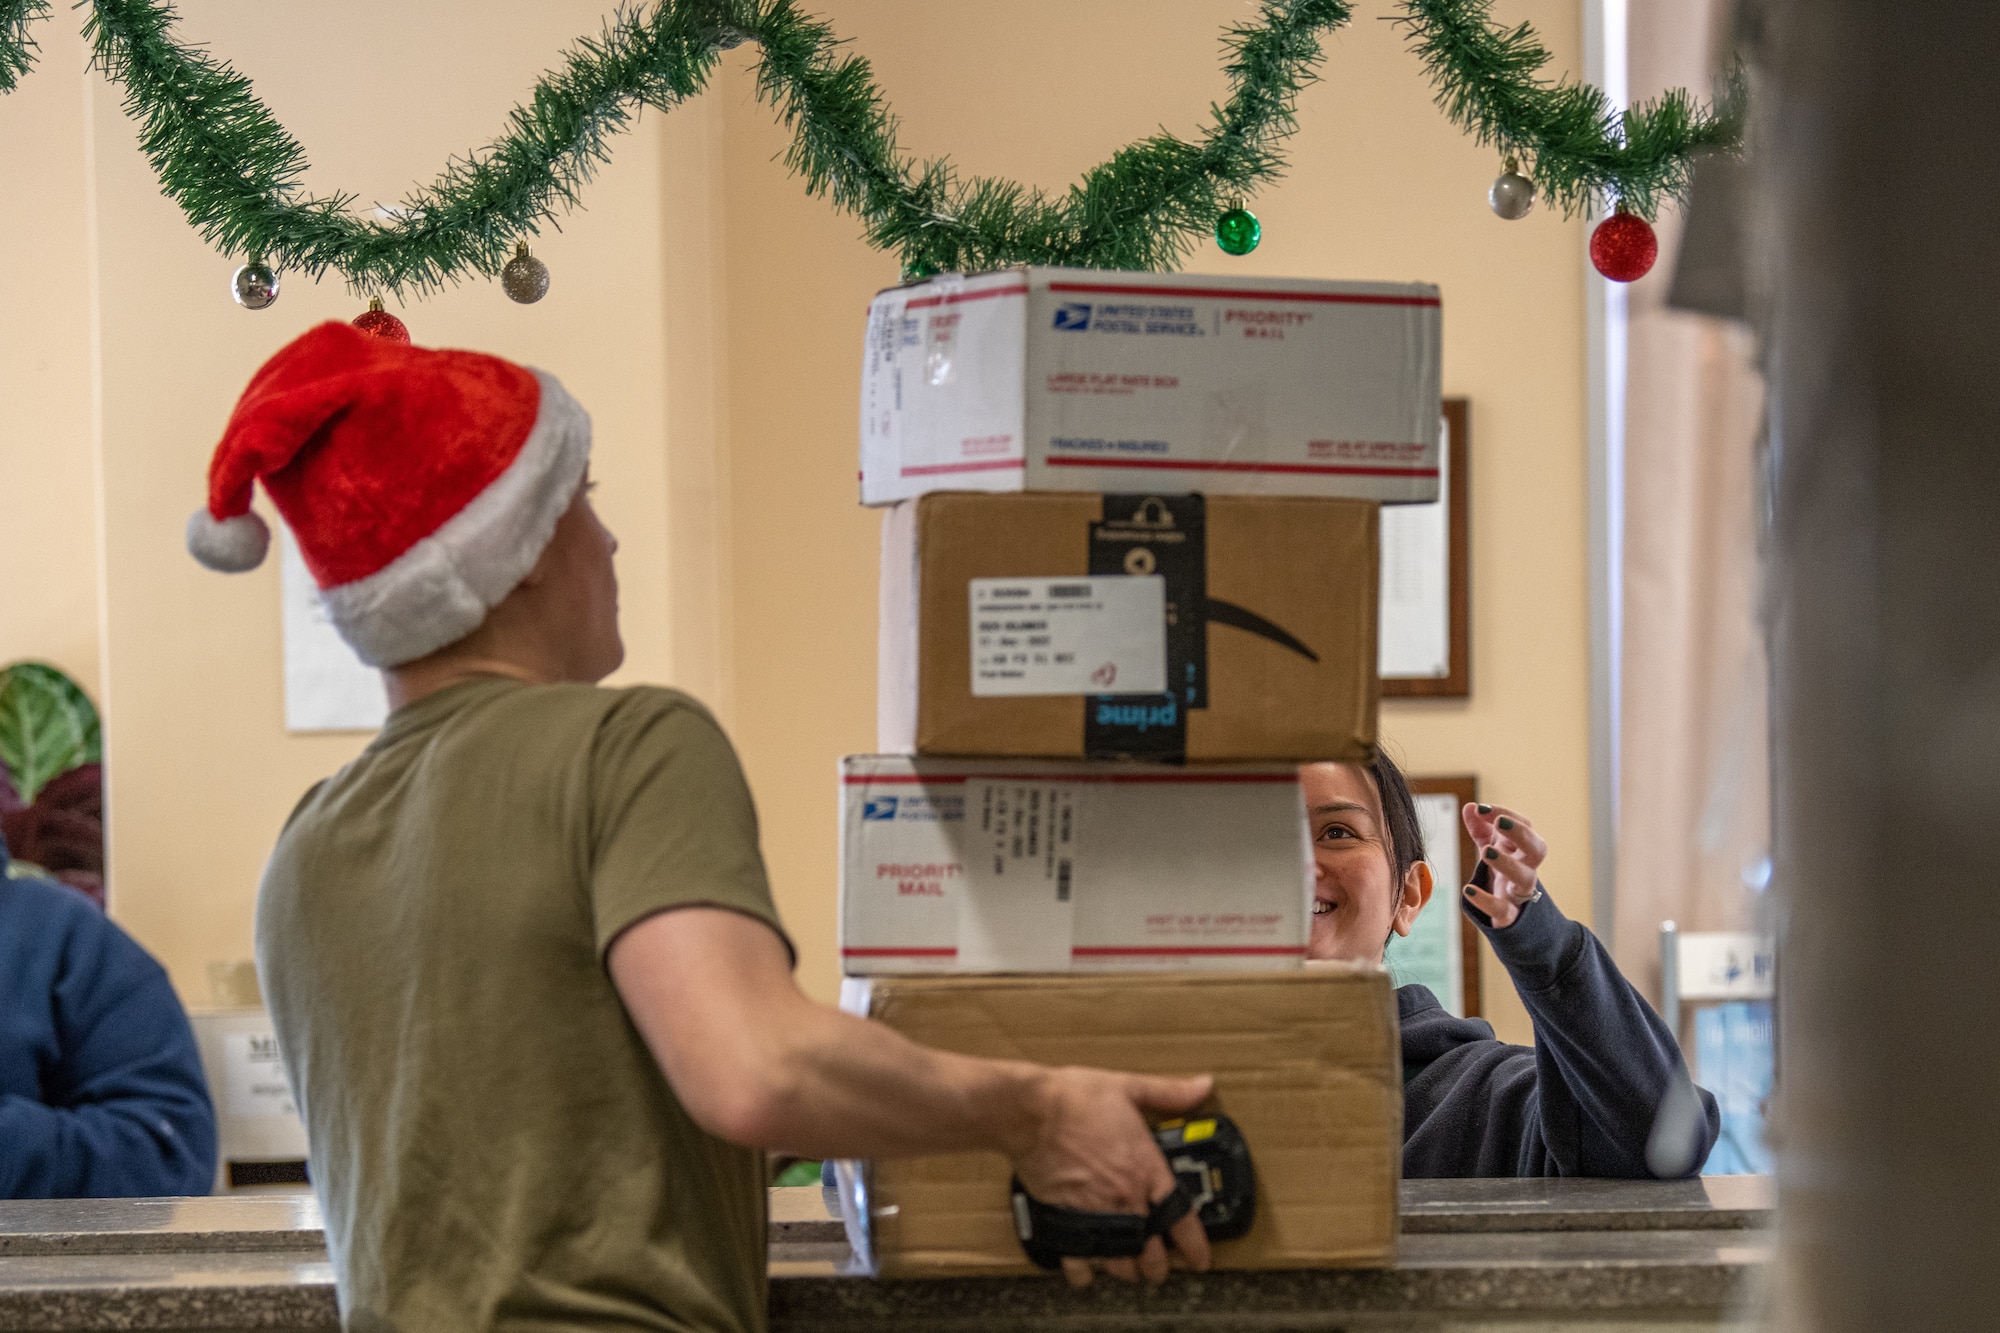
<point x="1305" y="1062"/>
<point x="955" y="865"/>
<point x="1199" y="629"/>
<point x="1046" y="379"/>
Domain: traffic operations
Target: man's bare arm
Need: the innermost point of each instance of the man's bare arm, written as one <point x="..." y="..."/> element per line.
<point x="756" y="1062"/>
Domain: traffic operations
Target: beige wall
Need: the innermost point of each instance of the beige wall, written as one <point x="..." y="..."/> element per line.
<point x="48" y="473"/>
<point x="710" y="315"/>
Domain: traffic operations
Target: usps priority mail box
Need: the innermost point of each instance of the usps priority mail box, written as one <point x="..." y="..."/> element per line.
<point x="1050" y="379"/>
<point x="967" y="865"/>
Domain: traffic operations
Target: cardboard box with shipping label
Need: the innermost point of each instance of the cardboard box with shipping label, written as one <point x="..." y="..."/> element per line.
<point x="1178" y="628"/>
<point x="1045" y="379"/>
<point x="1306" y="1063"/>
<point x="992" y="866"/>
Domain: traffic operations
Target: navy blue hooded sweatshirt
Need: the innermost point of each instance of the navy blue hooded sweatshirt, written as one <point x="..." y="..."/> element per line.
<point x="1581" y="1102"/>
<point x="101" y="1089"/>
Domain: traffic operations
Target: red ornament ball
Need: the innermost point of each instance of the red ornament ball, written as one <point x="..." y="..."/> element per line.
<point x="1623" y="247"/>
<point x="382" y="324"/>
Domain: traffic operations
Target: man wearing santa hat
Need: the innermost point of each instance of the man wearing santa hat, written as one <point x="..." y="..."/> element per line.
<point x="533" y="995"/>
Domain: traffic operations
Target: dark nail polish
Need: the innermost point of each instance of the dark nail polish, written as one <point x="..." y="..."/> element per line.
<point x="1467" y="890"/>
<point x="1506" y="824"/>
<point x="1485" y="809"/>
<point x="1493" y="853"/>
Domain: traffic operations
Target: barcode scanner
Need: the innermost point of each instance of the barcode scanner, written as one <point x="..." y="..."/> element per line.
<point x="1213" y="1178"/>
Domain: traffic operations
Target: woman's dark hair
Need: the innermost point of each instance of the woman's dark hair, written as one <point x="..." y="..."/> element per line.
<point x="1399" y="815"/>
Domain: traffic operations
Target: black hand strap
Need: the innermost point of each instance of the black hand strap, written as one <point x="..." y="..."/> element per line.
<point x="1049" y="1232"/>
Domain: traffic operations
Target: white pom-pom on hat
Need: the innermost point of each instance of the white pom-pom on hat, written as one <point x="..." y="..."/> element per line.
<point x="229" y="545"/>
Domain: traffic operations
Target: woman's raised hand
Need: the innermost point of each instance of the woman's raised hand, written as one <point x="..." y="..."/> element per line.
<point x="1508" y="843"/>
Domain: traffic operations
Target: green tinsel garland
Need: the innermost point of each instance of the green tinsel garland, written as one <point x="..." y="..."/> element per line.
<point x="237" y="174"/>
<point x="1574" y="146"/>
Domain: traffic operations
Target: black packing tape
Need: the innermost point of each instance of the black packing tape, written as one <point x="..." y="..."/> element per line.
<point x="1166" y="535"/>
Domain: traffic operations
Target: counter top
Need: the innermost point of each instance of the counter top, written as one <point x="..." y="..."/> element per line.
<point x="1704" y="1203"/>
<point x="223" y="1224"/>
<point x="1678" y="1250"/>
<point x="242" y="1222"/>
<point x="168" y="1290"/>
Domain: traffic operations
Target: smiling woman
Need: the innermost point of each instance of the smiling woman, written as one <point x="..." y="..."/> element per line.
<point x="1370" y="877"/>
<point x="1603" y="1092"/>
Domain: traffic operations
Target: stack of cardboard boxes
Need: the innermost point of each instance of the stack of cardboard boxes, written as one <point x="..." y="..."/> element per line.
<point x="1128" y="584"/>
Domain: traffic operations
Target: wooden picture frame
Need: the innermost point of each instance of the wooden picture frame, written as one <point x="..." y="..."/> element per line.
<point x="1456" y="683"/>
<point x="1465" y="788"/>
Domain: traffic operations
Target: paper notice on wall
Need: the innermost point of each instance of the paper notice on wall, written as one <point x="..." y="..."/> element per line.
<point x="1429" y="955"/>
<point x="253" y="1076"/>
<point x="326" y="686"/>
<point x="1725" y="965"/>
<point x="1019" y="911"/>
<point x="1415" y="625"/>
<point x="1104" y="634"/>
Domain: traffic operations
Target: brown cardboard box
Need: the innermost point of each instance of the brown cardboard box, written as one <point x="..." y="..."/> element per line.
<point x="1307" y="1064"/>
<point x="1259" y="632"/>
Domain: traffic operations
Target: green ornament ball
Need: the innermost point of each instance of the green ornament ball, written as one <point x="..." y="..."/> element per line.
<point x="1238" y="231"/>
<point x="916" y="270"/>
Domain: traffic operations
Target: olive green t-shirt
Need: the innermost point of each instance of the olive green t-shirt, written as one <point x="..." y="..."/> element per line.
<point x="491" y="1142"/>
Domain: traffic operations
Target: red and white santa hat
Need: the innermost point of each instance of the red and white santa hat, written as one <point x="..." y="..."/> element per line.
<point x="422" y="485"/>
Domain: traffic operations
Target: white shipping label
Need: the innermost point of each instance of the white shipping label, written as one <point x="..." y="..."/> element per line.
<point x="1095" y="634"/>
<point x="1021" y="839"/>
<point x="254" y="1076"/>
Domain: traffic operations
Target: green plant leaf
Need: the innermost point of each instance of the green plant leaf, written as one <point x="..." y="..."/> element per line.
<point x="47" y="726"/>
<point x="799" y="1173"/>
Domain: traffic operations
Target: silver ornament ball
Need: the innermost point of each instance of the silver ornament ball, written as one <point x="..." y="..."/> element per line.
<point x="1512" y="196"/>
<point x="525" y="279"/>
<point x="255" y="285"/>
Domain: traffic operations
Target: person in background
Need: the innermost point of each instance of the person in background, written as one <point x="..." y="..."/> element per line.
<point x="101" y="1090"/>
<point x="1603" y="1091"/>
<point x="530" y="987"/>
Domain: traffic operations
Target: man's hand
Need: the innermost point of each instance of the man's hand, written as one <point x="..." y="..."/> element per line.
<point x="1508" y="843"/>
<point x="754" y="1061"/>
<point x="1096" y="1152"/>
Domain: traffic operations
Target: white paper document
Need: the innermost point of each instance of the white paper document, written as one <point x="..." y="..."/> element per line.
<point x="1415" y="625"/>
<point x="327" y="688"/>
<point x="254" y="1076"/>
